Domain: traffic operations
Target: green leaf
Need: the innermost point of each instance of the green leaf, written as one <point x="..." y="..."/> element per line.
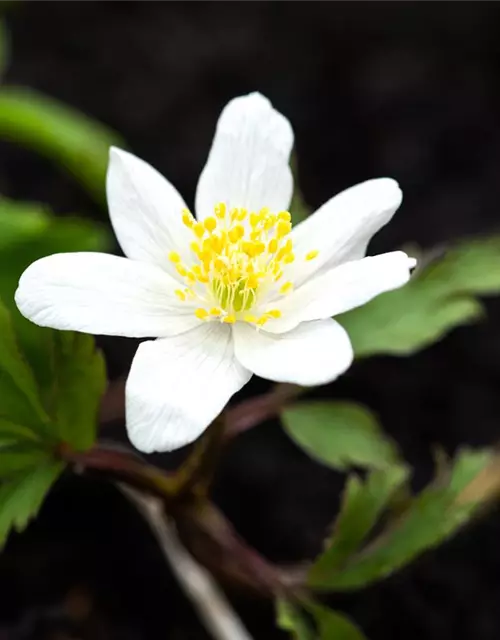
<point x="437" y="299"/>
<point x="439" y="511"/>
<point x="333" y="625"/>
<point x="20" y="402"/>
<point x="339" y="434"/>
<point x="78" y="380"/>
<point x="21" y="498"/>
<point x="363" y="504"/>
<point x="15" y="459"/>
<point x="34" y="233"/>
<point x="77" y="143"/>
<point x="290" y="618"/>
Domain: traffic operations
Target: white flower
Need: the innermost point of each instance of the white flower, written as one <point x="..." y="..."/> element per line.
<point x="233" y="293"/>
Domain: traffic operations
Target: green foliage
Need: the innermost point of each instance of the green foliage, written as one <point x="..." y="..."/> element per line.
<point x="329" y="624"/>
<point x="76" y="142"/>
<point x="439" y="297"/>
<point x="78" y="380"/>
<point x="50" y="382"/>
<point x="428" y="519"/>
<point x="22" y="496"/>
<point x="29" y="232"/>
<point x="363" y="504"/>
<point x="290" y="617"/>
<point x="339" y="434"/>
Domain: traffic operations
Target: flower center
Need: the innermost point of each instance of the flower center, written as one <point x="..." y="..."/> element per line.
<point x="238" y="263"/>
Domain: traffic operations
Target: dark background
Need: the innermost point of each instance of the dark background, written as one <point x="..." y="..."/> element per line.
<point x="409" y="90"/>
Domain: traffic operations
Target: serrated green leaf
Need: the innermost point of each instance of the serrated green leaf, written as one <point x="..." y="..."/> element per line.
<point x="333" y="625"/>
<point x="20" y="401"/>
<point x="437" y="299"/>
<point x="339" y="434"/>
<point x="290" y="618"/>
<point x="77" y="143"/>
<point x="362" y="505"/>
<point x="430" y="518"/>
<point x="78" y="380"/>
<point x="21" y="498"/>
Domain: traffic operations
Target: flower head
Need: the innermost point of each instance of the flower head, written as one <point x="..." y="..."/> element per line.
<point x="231" y="292"/>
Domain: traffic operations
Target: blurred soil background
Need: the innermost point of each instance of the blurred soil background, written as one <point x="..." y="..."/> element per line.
<point x="404" y="89"/>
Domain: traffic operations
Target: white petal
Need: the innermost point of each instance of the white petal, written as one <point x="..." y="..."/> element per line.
<point x="178" y="386"/>
<point x="342" y="288"/>
<point x="248" y="164"/>
<point x="313" y="353"/>
<point x="342" y="228"/>
<point x="145" y="211"/>
<point x="102" y="294"/>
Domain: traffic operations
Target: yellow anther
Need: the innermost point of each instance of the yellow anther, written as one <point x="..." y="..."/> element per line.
<point x="242" y="214"/>
<point x="312" y="254"/>
<point x="262" y="320"/>
<point x="254" y="219"/>
<point x="215" y="311"/>
<point x="283" y="228"/>
<point x="219" y="264"/>
<point x="259" y="247"/>
<point x="252" y="281"/>
<point x="199" y="229"/>
<point x="250" y="318"/>
<point x="180" y="294"/>
<point x="200" y="313"/>
<point x="288" y="245"/>
<point x="203" y="278"/>
<point x="229" y="319"/>
<point x="274" y="313"/>
<point x="181" y="270"/>
<point x="187" y="218"/>
<point x="278" y="274"/>
<point x="174" y="257"/>
<point x="210" y="223"/>
<point x="289" y="258"/>
<point x="287" y="287"/>
<point x="194" y="246"/>
<point x="272" y="247"/>
<point x="220" y="210"/>
<point x="284" y="215"/>
<point x="234" y="214"/>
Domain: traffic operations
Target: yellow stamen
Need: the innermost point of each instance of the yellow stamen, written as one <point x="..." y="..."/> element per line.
<point x="250" y="318"/>
<point x="312" y="254"/>
<point x="180" y="294"/>
<point x="215" y="311"/>
<point x="274" y="313"/>
<point x="220" y="210"/>
<point x="174" y="257"/>
<point x="187" y="218"/>
<point x="229" y="319"/>
<point x="210" y="224"/>
<point x="200" y="313"/>
<point x="286" y="288"/>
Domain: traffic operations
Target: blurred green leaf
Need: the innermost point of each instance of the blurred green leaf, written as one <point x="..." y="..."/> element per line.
<point x="15" y="459"/>
<point x="438" y="298"/>
<point x="290" y="618"/>
<point x="333" y="625"/>
<point x="439" y="511"/>
<point x="362" y="505"/>
<point x="78" y="381"/>
<point x="21" y="497"/>
<point x="76" y="142"/>
<point x="339" y="434"/>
